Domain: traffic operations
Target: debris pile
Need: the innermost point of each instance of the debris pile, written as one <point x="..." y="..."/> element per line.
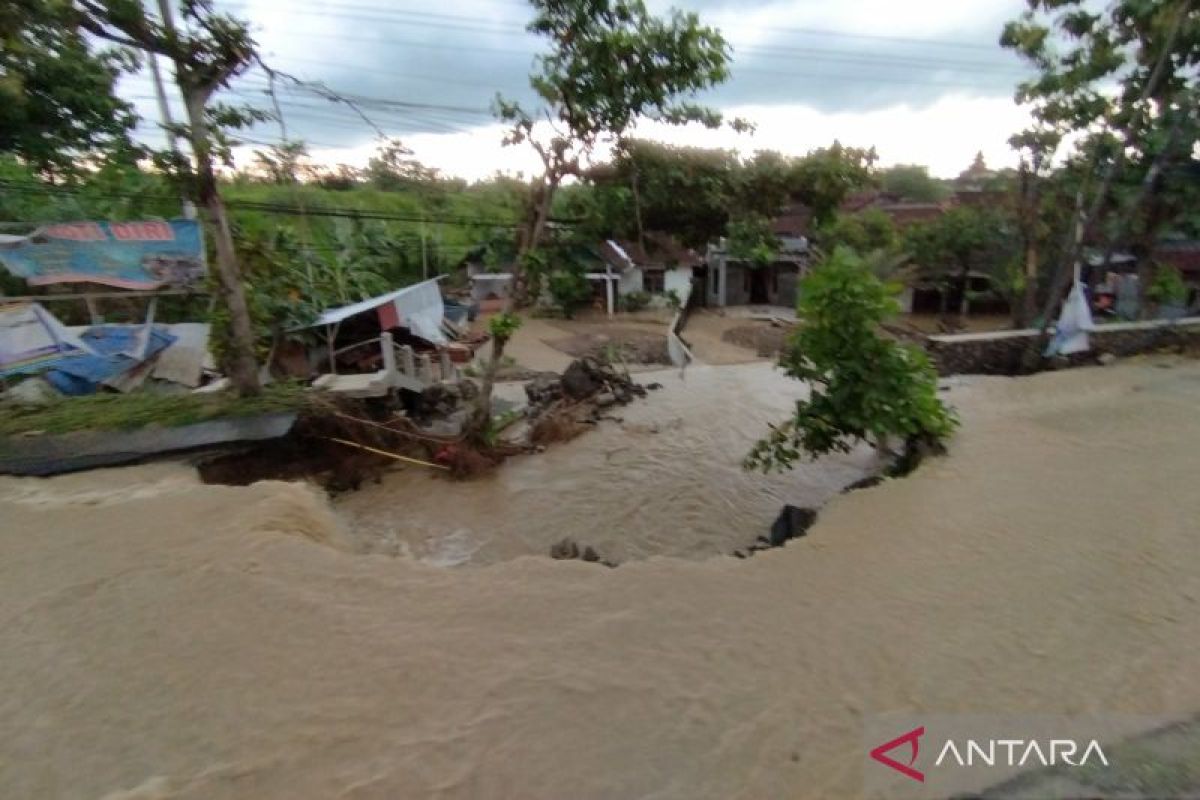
<point x="585" y="379"/>
<point x="81" y="360"/>
<point x="562" y="407"/>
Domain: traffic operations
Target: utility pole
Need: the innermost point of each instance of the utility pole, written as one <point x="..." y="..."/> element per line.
<point x="164" y="108"/>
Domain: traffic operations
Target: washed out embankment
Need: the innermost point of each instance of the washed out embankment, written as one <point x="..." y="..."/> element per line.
<point x="661" y="476"/>
<point x="164" y="634"/>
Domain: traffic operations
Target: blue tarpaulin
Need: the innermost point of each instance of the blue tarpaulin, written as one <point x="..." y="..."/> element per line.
<point x="117" y="349"/>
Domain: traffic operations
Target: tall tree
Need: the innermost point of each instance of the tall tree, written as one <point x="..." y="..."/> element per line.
<point x="962" y="241"/>
<point x="1149" y="50"/>
<point x="284" y="162"/>
<point x="864" y="386"/>
<point x="912" y="182"/>
<point x="685" y="191"/>
<point x="58" y="109"/>
<point x="828" y="175"/>
<point x="210" y="51"/>
<point x="610" y="63"/>
<point x="393" y="167"/>
<point x="865" y="232"/>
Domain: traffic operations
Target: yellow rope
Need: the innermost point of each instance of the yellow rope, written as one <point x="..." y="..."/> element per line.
<point x="386" y="453"/>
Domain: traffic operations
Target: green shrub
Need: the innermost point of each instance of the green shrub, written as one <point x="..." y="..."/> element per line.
<point x="1167" y="287"/>
<point x="635" y="301"/>
<point x="864" y="386"/>
<point x="569" y="289"/>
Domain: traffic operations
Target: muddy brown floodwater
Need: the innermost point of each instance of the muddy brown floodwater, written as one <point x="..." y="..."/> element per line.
<point x="161" y="638"/>
<point x="666" y="479"/>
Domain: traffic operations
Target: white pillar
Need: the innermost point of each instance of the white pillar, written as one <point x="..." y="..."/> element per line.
<point x="608" y="290"/>
<point x="389" y="354"/>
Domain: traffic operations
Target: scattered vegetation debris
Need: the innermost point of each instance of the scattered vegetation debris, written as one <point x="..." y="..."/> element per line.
<point x="116" y="412"/>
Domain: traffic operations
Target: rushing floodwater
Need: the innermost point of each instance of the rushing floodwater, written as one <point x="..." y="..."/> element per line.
<point x="666" y="480"/>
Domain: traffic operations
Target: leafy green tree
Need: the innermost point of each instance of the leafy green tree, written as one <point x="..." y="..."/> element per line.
<point x="685" y="191"/>
<point x="961" y="241"/>
<point x="393" y="167"/>
<point x="764" y="184"/>
<point x="283" y="163"/>
<point x="1149" y="51"/>
<point x="864" y="232"/>
<point x="864" y="387"/>
<point x="569" y="288"/>
<point x="209" y="52"/>
<point x="610" y="63"/>
<point x="912" y="182"/>
<point x="751" y="239"/>
<point x="58" y="107"/>
<point x="501" y="327"/>
<point x="827" y="176"/>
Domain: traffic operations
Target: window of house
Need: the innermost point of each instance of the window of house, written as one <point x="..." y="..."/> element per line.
<point x="653" y="281"/>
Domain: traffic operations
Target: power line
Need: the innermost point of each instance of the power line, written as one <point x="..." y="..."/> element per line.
<point x="370" y="11"/>
<point x="768" y="51"/>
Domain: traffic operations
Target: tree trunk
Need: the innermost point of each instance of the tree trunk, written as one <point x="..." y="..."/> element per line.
<point x="538" y="213"/>
<point x="1028" y="308"/>
<point x="964" y="303"/>
<point x="481" y="420"/>
<point x="637" y="207"/>
<point x="1025" y="307"/>
<point x="242" y="364"/>
<point x="1144" y="245"/>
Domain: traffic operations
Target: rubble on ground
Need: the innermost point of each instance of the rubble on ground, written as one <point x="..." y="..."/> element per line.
<point x="584" y="379"/>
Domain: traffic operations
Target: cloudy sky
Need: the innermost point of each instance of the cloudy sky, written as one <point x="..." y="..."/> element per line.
<point x="923" y="82"/>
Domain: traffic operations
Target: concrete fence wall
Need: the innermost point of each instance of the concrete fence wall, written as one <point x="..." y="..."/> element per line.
<point x="999" y="352"/>
<point x="679" y="353"/>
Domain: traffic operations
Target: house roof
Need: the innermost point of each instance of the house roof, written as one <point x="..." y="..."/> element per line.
<point x="910" y="213"/>
<point x="794" y="220"/>
<point x="1183" y="255"/>
<point x="418" y="307"/>
<point x="661" y="250"/>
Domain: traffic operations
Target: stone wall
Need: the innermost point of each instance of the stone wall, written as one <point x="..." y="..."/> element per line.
<point x="999" y="352"/>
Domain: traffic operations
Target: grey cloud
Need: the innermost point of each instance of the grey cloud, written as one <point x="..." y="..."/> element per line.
<point x="448" y="63"/>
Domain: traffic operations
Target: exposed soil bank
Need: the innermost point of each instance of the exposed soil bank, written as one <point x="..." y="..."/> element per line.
<point x="214" y="642"/>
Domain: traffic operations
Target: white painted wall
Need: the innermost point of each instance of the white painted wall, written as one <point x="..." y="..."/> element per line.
<point x="679" y="279"/>
<point x="631" y="281"/>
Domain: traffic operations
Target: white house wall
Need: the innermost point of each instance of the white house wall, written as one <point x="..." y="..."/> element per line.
<point x="678" y="279"/>
<point x="631" y="281"/>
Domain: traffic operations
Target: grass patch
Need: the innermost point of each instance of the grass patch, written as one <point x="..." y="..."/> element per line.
<point x="114" y="412"/>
